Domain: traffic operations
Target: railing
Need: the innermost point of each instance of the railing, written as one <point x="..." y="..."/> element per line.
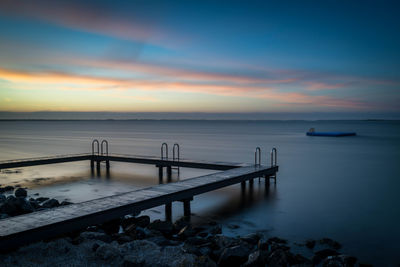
<point x="95" y="141"/>
<point x="105" y="143"/>
<point x="162" y="151"/>
<point x="176" y="156"/>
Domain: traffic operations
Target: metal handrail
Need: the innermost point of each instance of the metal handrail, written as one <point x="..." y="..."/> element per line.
<point x="274" y="160"/>
<point x="95" y="141"/>
<point x="175" y="157"/>
<point x="162" y="151"/>
<point x="105" y="142"/>
<point x="257" y="156"/>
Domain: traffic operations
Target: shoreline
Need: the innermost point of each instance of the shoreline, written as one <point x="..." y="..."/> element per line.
<point x="136" y="241"/>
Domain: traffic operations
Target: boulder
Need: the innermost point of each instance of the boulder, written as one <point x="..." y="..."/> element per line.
<point x="251" y="238"/>
<point x="65" y="203"/>
<point x="15" y="206"/>
<point x="165" y="227"/>
<point x="20" y="192"/>
<point x="96" y="236"/>
<point x="111" y="227"/>
<point x="339" y="260"/>
<point x="278" y="258"/>
<point x="107" y="252"/>
<point x="331" y="243"/>
<point x="8" y="188"/>
<point x="50" y="203"/>
<point x="186" y="232"/>
<point x="310" y="243"/>
<point x="234" y="256"/>
<point x="142" y="221"/>
<point x="196" y="241"/>
<point x="204" y="261"/>
<point x="42" y="199"/>
<point x="257" y="258"/>
<point x="323" y="254"/>
<point x="2" y="198"/>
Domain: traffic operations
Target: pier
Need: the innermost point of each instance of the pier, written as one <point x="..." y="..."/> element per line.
<point x="23" y="229"/>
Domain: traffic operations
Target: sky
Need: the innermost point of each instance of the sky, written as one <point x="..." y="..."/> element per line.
<point x="200" y="56"/>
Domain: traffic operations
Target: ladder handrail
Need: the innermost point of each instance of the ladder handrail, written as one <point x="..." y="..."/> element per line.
<point x="274" y="160"/>
<point x="257" y="155"/>
<point x="177" y="156"/>
<point x="95" y="141"/>
<point x="106" y="147"/>
<point x="166" y="150"/>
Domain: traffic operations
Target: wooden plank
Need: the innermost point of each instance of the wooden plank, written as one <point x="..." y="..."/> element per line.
<point x="39" y="225"/>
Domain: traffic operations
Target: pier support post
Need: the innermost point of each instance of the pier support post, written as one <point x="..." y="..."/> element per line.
<point x="168" y="212"/>
<point x="98" y="167"/>
<point x="266" y="180"/>
<point x="160" y="174"/>
<point x="243" y="187"/>
<point x="108" y="165"/>
<point x="251" y="183"/>
<point x="92" y="166"/>
<point x="169" y="174"/>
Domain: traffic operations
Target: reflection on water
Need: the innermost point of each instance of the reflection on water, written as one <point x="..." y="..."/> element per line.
<point x="343" y="188"/>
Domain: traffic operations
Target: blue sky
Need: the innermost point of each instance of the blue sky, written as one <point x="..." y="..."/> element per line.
<point x="200" y="56"/>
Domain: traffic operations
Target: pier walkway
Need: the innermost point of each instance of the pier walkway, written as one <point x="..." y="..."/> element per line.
<point x="23" y="229"/>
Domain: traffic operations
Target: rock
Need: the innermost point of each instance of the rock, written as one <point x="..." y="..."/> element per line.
<point x="138" y="233"/>
<point x="107" y="252"/>
<point x="257" y="258"/>
<point x="20" y="192"/>
<point x="34" y="203"/>
<point x="42" y="199"/>
<point x="96" y="236"/>
<point x="95" y="246"/>
<point x="234" y="256"/>
<point x="322" y="254"/>
<point x="65" y="203"/>
<point x="225" y="241"/>
<point x="186" y="232"/>
<point x="16" y="206"/>
<point x="142" y="221"/>
<point x="111" y="227"/>
<point x="204" y="261"/>
<point x="132" y="261"/>
<point x="4" y="216"/>
<point x="2" y="198"/>
<point x="310" y="243"/>
<point x="277" y="240"/>
<point x="50" y="203"/>
<point x="165" y="227"/>
<point x="340" y="260"/>
<point x="331" y="243"/>
<point x="181" y="223"/>
<point x="161" y="241"/>
<point x="251" y="238"/>
<point x="196" y="241"/>
<point x="299" y="259"/>
<point x="8" y="188"/>
<point x="278" y="258"/>
<point x="122" y="238"/>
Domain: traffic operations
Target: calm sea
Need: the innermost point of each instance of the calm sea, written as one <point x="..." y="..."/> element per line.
<point x="343" y="188"/>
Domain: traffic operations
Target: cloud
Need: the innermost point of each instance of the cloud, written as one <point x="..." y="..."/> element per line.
<point x="63" y="81"/>
<point x="96" y="19"/>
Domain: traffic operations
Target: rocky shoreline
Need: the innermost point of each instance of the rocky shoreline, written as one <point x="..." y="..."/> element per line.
<point x="136" y="241"/>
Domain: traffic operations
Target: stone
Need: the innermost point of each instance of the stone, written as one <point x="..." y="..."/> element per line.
<point x="234" y="256"/>
<point x="132" y="261"/>
<point x="20" y="192"/>
<point x="278" y="258"/>
<point x="2" y="198"/>
<point x="204" y="261"/>
<point x="251" y="238"/>
<point x="181" y="223"/>
<point x="96" y="236"/>
<point x="331" y="243"/>
<point x="65" y="203"/>
<point x="111" y="227"/>
<point x="322" y="254"/>
<point x="310" y="243"/>
<point x="339" y="260"/>
<point x="225" y="241"/>
<point x="277" y="240"/>
<point x="16" y="206"/>
<point x="50" y="203"/>
<point x="165" y="227"/>
<point x="42" y="199"/>
<point x="257" y="258"/>
<point x="186" y="232"/>
<point x="107" y="252"/>
<point x="142" y="221"/>
<point x="3" y="216"/>
<point x="8" y="188"/>
<point x="196" y="241"/>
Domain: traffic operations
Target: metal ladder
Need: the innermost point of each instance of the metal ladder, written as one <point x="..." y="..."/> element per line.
<point x="176" y="157"/>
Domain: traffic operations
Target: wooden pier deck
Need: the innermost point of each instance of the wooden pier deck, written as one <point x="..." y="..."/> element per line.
<point x="27" y="228"/>
<point x="152" y="160"/>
